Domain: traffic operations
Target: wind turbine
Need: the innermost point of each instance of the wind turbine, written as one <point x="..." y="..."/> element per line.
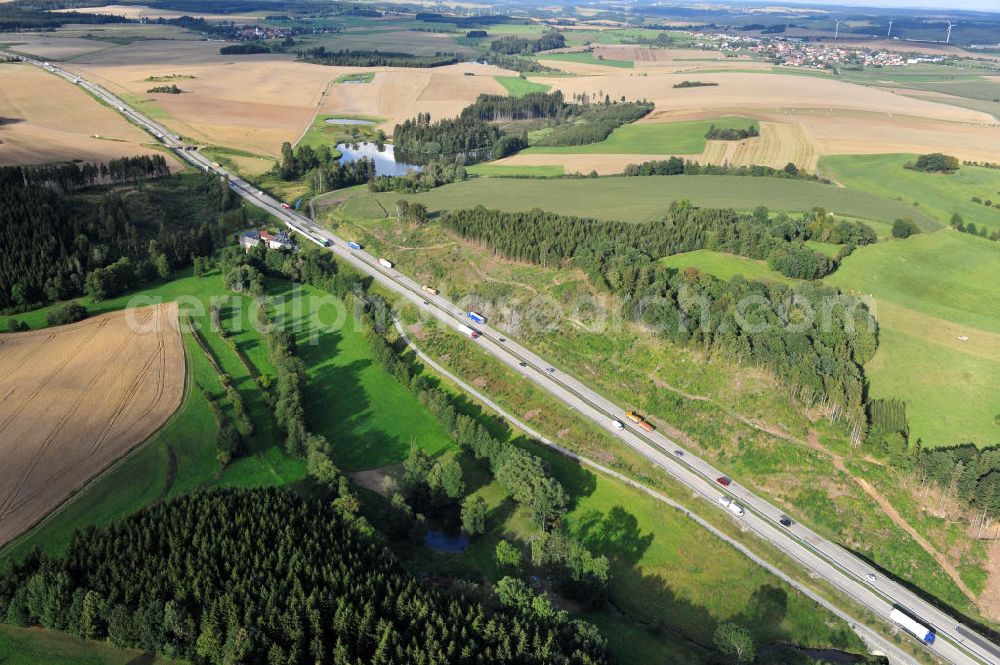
<point x="950" y="26"/>
<point x="836" y="32"/>
<point x="890" y="29"/>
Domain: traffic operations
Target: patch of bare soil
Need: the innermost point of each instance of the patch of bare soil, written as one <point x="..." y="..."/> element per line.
<point x="374" y="479"/>
<point x="989" y="600"/>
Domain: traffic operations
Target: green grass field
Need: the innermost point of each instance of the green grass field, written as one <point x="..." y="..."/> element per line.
<point x="500" y="170"/>
<point x="670" y="382"/>
<point x="351" y="400"/>
<point x="640" y="198"/>
<point x="952" y="396"/>
<point x="518" y="87"/>
<point x="659" y="138"/>
<point x="363" y="77"/>
<point x="930" y="290"/>
<point x="827" y="248"/>
<point x="656" y="575"/>
<point x="724" y="266"/>
<point x="37" y="646"/>
<point x="588" y="58"/>
<point x="322" y="133"/>
<point x="939" y="195"/>
<point x="945" y="275"/>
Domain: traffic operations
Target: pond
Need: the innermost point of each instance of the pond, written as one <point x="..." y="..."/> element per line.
<point x="385" y="160"/>
<point x="348" y="121"/>
<point x="439" y="541"/>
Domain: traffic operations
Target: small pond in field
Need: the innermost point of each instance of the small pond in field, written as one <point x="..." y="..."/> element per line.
<point x="385" y="160"/>
<point x="439" y="541"/>
<point x="348" y="121"/>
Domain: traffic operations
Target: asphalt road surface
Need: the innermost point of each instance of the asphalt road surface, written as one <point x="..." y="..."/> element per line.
<point x="955" y="643"/>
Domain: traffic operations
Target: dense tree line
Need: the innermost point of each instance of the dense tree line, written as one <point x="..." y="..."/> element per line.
<point x="264" y="577"/>
<point x="820" y="357"/>
<point x="524" y="476"/>
<point x="694" y="84"/>
<point x="433" y="174"/>
<point x="15" y="17"/>
<point x="56" y="247"/>
<point x="548" y="238"/>
<point x="323" y="169"/>
<point x="594" y="122"/>
<point x="472" y="21"/>
<point x="171" y="89"/>
<point x="514" y="45"/>
<point x="731" y="134"/>
<point x="72" y="176"/>
<point x="362" y="58"/>
<point x="420" y="141"/>
<point x="514" y="62"/>
<point x="490" y="108"/>
<point x="678" y="166"/>
<point x="246" y="48"/>
<point x="473" y="135"/>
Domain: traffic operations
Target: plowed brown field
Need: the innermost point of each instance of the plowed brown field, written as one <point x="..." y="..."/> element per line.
<point x="73" y="399"/>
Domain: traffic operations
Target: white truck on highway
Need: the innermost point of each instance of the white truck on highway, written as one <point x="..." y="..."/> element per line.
<point x="466" y="330"/>
<point x="385" y="263"/>
<point x="731" y="506"/>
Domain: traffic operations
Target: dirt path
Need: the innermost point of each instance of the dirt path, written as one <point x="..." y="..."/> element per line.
<point x="838" y="463"/>
<point x="501" y="281"/>
<point x="888" y="509"/>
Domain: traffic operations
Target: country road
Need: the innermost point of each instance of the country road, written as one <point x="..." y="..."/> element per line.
<point x="955" y="643"/>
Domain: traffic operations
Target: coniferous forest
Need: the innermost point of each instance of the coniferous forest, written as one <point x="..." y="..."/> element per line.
<point x="266" y="577"/>
<point x="57" y="238"/>
<point x="474" y="136"/>
<point x="820" y="358"/>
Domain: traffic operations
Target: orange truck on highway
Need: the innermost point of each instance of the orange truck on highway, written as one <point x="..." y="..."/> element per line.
<point x="639" y="420"/>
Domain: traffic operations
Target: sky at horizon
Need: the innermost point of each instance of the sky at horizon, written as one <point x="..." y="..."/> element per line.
<point x="941" y="5"/>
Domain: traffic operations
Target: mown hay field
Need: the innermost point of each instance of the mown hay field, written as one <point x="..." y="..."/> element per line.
<point x="642" y="198"/>
<point x="937" y="194"/>
<point x="724" y="266"/>
<point x="73" y="399"/>
<point x="652" y="138"/>
<point x="939" y="331"/>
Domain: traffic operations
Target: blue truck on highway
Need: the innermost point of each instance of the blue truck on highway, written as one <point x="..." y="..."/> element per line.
<point x="353" y="245"/>
<point x="477" y="318"/>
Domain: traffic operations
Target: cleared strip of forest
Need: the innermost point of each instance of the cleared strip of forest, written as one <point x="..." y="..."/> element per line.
<point x="644" y="198"/>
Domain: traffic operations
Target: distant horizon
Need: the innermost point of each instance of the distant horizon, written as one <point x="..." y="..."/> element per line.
<point x="990" y="6"/>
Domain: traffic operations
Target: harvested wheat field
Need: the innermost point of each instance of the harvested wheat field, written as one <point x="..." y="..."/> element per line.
<point x="604" y="164"/>
<point x="744" y="91"/>
<point x="33" y="130"/>
<point x="143" y="11"/>
<point x="397" y="94"/>
<point x="253" y="102"/>
<point x="75" y="398"/>
<point x="778" y="144"/>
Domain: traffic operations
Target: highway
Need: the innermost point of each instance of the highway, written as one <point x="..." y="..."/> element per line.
<point x="955" y="643"/>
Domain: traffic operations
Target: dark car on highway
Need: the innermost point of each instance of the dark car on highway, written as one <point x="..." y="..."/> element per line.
<point x="722" y="480"/>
